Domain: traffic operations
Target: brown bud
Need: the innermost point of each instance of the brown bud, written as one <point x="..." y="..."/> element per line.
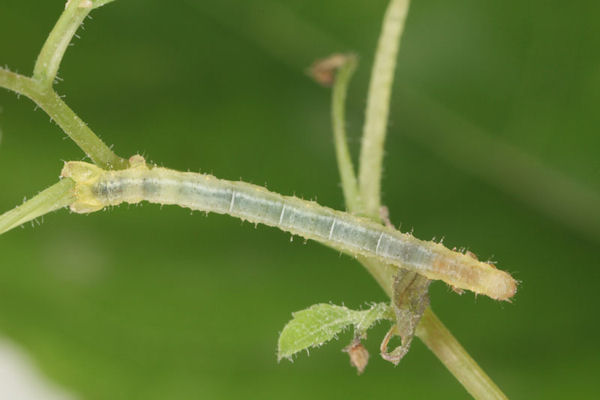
<point x="359" y="356"/>
<point x="323" y="70"/>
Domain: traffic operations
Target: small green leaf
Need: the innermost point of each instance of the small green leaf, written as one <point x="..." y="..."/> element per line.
<point x="322" y="322"/>
<point x="312" y="327"/>
<point x="365" y="319"/>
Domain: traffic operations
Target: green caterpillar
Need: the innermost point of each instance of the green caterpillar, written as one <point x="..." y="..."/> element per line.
<point x="96" y="188"/>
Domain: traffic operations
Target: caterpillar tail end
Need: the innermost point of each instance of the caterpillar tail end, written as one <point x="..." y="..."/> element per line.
<point x="85" y="176"/>
<point x="501" y="286"/>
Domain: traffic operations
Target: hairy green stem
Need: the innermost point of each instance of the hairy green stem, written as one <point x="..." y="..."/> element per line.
<point x="383" y="273"/>
<point x="378" y="104"/>
<point x="100" y="3"/>
<point x="53" y="198"/>
<point x="338" y="114"/>
<point x="39" y="87"/>
<point x="70" y="123"/>
<point x="430" y="329"/>
<point x="439" y="125"/>
<point x="48" y="61"/>
<point x="17" y="83"/>
<point x="78" y="130"/>
<point x="441" y="342"/>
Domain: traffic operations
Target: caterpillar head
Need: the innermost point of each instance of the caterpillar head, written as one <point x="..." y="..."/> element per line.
<point x="85" y="175"/>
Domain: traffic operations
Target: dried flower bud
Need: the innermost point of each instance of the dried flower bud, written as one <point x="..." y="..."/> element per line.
<point x="359" y="356"/>
<point x="323" y="70"/>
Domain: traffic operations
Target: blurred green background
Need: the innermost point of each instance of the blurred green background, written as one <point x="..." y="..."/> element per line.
<point x="150" y="303"/>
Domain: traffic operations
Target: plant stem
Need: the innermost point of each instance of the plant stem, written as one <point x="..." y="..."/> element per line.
<point x="39" y="87"/>
<point x="338" y="114"/>
<point x="378" y="103"/>
<point x="441" y="342"/>
<point x="430" y="329"/>
<point x="437" y="125"/>
<point x="70" y="123"/>
<point x="78" y="130"/>
<point x="48" y="61"/>
<point x="383" y="273"/>
<point x="16" y="82"/>
<point x="53" y="198"/>
<point x="100" y="3"/>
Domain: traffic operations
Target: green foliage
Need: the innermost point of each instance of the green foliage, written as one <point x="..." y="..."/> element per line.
<point x="320" y="323"/>
<point x="109" y="310"/>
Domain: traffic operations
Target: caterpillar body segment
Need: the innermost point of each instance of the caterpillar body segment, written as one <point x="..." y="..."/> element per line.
<point x="96" y="188"/>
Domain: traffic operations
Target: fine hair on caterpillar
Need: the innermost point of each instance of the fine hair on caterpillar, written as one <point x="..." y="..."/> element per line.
<point x="96" y="189"/>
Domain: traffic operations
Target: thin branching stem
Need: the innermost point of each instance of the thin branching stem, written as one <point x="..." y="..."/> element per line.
<point x="55" y="197"/>
<point x="441" y="342"/>
<point x="439" y="126"/>
<point x="382" y="273"/>
<point x="365" y="200"/>
<point x="430" y="329"/>
<point x="378" y="104"/>
<point x="78" y="130"/>
<point x="39" y="87"/>
<point x="17" y="83"/>
<point x="51" y="55"/>
<point x="70" y="123"/>
<point x="48" y="61"/>
<point x="338" y="114"/>
<point x="100" y="3"/>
